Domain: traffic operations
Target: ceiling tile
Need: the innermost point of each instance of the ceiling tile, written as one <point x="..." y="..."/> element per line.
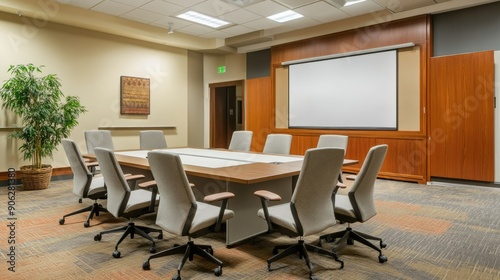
<point x="184" y="3"/>
<point x="260" y="24"/>
<point x="143" y="15"/>
<point x="362" y="8"/>
<point x="267" y="8"/>
<point x="134" y="3"/>
<point x="112" y="8"/>
<point x="195" y="29"/>
<point x="213" y="8"/>
<point x="322" y="12"/>
<point x="162" y="7"/>
<point x="240" y="16"/>
<point x="237" y="30"/>
<point x="292" y="4"/>
<point x="86" y="4"/>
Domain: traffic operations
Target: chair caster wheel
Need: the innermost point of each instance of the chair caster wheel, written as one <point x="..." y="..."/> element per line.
<point x="97" y="237"/>
<point x="382" y="245"/>
<point x="330" y="239"/>
<point x="268" y="266"/>
<point x="350" y="241"/>
<point x="116" y="254"/>
<point x="79" y="200"/>
<point x="86" y="224"/>
<point x="382" y="259"/>
<point x="275" y="251"/>
<point x="146" y="265"/>
<point x="218" y="271"/>
<point x="176" y="277"/>
<point x="152" y="250"/>
<point x="61" y="221"/>
<point x="210" y="251"/>
<point x="160" y="236"/>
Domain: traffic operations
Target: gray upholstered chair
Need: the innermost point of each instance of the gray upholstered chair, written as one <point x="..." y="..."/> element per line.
<point x="152" y="139"/>
<point x="124" y="202"/>
<point x="333" y="141"/>
<point x="310" y="210"/>
<point x="98" y="138"/>
<point x="85" y="185"/>
<point x="358" y="205"/>
<point x="241" y="140"/>
<point x="278" y="144"/>
<point x="179" y="213"/>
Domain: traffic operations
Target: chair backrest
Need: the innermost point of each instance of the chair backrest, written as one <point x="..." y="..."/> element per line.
<point x="361" y="192"/>
<point x="117" y="187"/>
<point x="241" y="140"/>
<point x="152" y="139"/>
<point x="311" y="201"/>
<point x="98" y="138"/>
<point x="278" y="144"/>
<point x="333" y="141"/>
<point x="82" y="178"/>
<point x="177" y="204"/>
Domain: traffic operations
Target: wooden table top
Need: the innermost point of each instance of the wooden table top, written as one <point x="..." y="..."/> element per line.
<point x="251" y="173"/>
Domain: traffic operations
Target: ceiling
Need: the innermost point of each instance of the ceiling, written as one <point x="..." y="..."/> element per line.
<point x="249" y="29"/>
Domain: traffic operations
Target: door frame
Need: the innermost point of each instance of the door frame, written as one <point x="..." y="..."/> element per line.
<point x="213" y="86"/>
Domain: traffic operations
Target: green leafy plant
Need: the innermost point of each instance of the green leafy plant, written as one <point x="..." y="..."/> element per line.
<point x="46" y="120"/>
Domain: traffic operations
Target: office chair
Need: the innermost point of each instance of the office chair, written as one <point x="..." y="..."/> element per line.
<point x="278" y="144"/>
<point x="241" y="140"/>
<point x="85" y="185"/>
<point x="333" y="141"/>
<point x="310" y="210"/>
<point x="179" y="213"/>
<point x="124" y="202"/>
<point x="358" y="205"/>
<point x="98" y="138"/>
<point x="152" y="139"/>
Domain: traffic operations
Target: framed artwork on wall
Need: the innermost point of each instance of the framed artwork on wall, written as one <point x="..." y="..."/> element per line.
<point x="134" y="96"/>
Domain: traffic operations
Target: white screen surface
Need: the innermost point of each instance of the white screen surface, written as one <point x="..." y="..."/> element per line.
<point x="355" y="92"/>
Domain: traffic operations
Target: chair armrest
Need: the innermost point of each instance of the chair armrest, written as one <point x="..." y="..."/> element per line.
<point x="351" y="177"/>
<point x="91" y="164"/>
<point x="218" y="196"/>
<point x="266" y="196"/>
<point x="224" y="196"/>
<point x="147" y="184"/>
<point x="132" y="179"/>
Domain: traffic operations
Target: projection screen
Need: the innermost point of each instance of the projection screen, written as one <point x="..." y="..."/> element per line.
<point x="354" y="92"/>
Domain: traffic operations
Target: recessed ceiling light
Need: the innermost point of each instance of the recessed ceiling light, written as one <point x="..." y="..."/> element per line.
<point x="349" y="3"/>
<point x="203" y="19"/>
<point x="285" y="16"/>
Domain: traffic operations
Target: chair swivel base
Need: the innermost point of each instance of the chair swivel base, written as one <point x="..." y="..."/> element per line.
<point x="348" y="236"/>
<point x="131" y="229"/>
<point x="94" y="209"/>
<point x="189" y="250"/>
<point x="301" y="247"/>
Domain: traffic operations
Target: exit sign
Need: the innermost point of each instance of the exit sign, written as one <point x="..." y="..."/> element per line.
<point x="221" y="69"/>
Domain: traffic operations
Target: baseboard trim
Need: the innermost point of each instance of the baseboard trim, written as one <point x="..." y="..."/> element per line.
<point x="58" y="173"/>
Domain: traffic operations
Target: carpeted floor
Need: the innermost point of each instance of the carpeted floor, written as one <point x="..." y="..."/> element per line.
<point x="432" y="232"/>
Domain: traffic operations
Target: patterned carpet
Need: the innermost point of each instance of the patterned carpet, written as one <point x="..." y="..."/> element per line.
<point x="432" y="232"/>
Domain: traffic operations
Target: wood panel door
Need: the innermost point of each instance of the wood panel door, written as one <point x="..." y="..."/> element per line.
<point x="461" y="116"/>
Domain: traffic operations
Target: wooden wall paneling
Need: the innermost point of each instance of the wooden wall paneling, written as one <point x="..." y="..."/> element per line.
<point x="259" y="110"/>
<point x="462" y="116"/>
<point x="404" y="160"/>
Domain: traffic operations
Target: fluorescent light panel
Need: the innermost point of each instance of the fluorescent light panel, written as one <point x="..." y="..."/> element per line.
<point x="203" y="19"/>
<point x="349" y="3"/>
<point x="285" y="16"/>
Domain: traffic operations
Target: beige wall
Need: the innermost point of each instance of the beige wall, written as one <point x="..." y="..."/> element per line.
<point x="89" y="65"/>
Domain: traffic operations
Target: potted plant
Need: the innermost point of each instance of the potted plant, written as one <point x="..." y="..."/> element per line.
<point x="45" y="118"/>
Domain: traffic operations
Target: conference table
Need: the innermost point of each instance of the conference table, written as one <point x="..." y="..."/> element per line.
<point x="242" y="173"/>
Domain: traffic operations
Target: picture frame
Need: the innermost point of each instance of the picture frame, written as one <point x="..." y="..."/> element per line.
<point x="134" y="96"/>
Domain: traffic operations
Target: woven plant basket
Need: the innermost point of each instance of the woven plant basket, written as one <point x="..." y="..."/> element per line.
<point x="35" y="179"/>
